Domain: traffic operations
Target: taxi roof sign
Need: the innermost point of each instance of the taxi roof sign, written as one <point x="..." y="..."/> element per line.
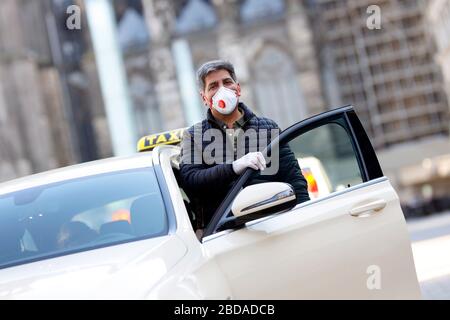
<point x="148" y="143"/>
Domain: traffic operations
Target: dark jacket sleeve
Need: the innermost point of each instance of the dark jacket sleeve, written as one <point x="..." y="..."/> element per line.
<point x="197" y="176"/>
<point x="289" y="171"/>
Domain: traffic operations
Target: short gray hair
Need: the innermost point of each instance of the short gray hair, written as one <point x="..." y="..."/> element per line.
<point x="212" y="66"/>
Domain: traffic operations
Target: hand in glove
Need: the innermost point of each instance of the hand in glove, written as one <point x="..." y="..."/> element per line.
<point x="254" y="160"/>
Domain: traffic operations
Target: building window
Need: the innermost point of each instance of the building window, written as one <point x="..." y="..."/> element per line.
<point x="195" y="15"/>
<point x="131" y="26"/>
<point x="256" y="9"/>
<point x="277" y="90"/>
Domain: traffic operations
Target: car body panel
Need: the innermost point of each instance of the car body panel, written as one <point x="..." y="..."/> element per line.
<point x="125" y="271"/>
<point x="330" y="247"/>
<point x="312" y="252"/>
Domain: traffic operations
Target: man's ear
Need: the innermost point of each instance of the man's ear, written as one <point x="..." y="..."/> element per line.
<point x="205" y="99"/>
<point x="238" y="89"/>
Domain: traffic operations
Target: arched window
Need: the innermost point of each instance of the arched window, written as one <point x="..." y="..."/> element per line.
<point x="196" y="15"/>
<point x="131" y="25"/>
<point x="255" y="9"/>
<point x="277" y="91"/>
<point x="132" y="30"/>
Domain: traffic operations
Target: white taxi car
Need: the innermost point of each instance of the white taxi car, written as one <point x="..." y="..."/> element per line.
<point x="121" y="228"/>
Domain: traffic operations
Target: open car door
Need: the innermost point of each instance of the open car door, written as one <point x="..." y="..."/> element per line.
<point x="350" y="242"/>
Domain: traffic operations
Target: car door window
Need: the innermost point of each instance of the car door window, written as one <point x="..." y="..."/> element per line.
<point x="327" y="159"/>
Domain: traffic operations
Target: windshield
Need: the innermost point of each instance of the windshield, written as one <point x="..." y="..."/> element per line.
<point x="80" y="214"/>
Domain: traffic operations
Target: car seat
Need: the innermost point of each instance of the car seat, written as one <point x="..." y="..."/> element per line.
<point x="147" y="217"/>
<point x="121" y="226"/>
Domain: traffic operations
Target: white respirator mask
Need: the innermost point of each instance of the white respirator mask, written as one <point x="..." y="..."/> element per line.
<point x="225" y="100"/>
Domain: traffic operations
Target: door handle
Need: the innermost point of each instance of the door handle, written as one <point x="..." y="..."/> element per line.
<point x="368" y="208"/>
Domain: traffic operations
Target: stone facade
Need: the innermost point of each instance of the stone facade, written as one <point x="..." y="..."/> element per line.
<point x="392" y="78"/>
<point x="438" y="18"/>
<point x="273" y="54"/>
<point x="389" y="73"/>
<point x="28" y="96"/>
<point x="45" y="98"/>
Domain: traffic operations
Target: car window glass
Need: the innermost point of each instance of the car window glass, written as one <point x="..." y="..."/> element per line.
<point x="80" y="214"/>
<point x="327" y="159"/>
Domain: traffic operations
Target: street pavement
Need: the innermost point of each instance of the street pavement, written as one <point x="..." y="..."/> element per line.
<point x="430" y="237"/>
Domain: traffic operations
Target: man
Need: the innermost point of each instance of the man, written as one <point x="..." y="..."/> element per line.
<point x="206" y="172"/>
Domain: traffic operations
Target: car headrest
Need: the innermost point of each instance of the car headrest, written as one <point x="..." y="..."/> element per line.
<point x="75" y="233"/>
<point x="148" y="218"/>
<point x="121" y="226"/>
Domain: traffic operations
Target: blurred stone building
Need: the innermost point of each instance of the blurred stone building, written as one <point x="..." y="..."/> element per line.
<point x="438" y="20"/>
<point x="45" y="105"/>
<point x="293" y="58"/>
<point x="134" y="40"/>
<point x="391" y="77"/>
<point x="269" y="42"/>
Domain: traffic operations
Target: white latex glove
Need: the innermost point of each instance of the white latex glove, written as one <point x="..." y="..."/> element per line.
<point x="254" y="160"/>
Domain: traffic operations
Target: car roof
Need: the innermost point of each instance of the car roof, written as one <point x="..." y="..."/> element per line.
<point x="138" y="160"/>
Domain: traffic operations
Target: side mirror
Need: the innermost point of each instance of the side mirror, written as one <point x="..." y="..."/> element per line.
<point x="261" y="200"/>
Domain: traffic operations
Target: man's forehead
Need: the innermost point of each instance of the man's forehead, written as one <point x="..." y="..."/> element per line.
<point x="217" y="75"/>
